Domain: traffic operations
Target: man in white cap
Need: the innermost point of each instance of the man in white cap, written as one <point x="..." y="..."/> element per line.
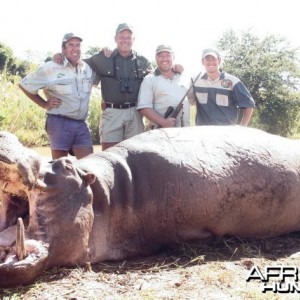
<point x="163" y="89"/>
<point x="219" y="96"/>
<point x="67" y="88"/>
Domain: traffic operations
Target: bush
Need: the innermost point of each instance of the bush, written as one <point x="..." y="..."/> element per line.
<point x="94" y="115"/>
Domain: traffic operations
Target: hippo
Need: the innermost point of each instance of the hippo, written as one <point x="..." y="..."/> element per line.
<point x="153" y="190"/>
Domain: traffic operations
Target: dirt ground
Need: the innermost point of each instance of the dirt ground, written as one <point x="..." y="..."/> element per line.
<point x="211" y="269"/>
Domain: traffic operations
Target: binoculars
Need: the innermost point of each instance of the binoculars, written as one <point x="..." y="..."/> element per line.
<point x="126" y="85"/>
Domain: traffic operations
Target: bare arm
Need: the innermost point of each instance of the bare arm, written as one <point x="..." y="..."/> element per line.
<point x="37" y="99"/>
<point x="154" y="117"/>
<point x="58" y="58"/>
<point x="247" y="113"/>
<point x="177" y="68"/>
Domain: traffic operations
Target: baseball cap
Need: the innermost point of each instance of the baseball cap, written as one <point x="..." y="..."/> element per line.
<point x="69" y="36"/>
<point x="162" y="48"/>
<point x="124" y="26"/>
<point x="211" y="52"/>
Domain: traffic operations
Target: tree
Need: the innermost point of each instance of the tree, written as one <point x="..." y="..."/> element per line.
<point x="92" y="50"/>
<point x="10" y="66"/>
<point x="269" y="68"/>
<point x="6" y="58"/>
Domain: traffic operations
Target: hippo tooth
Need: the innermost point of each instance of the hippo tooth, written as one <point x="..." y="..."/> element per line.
<point x="20" y="241"/>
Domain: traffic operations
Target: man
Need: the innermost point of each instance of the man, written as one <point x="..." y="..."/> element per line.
<point x="162" y="90"/>
<point x="121" y="75"/>
<point x="219" y="96"/>
<point x="67" y="88"/>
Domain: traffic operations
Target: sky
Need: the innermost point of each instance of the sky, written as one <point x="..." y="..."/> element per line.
<point x="189" y="26"/>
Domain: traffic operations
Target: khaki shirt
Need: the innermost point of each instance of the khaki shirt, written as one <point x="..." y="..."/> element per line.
<point x="72" y="85"/>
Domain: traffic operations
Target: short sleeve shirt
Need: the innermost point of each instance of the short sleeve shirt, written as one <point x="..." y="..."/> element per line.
<point x="72" y="85"/>
<point x="218" y="101"/>
<point x="158" y="92"/>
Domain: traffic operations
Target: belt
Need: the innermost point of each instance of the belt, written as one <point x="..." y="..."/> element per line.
<point x="120" y="106"/>
<point x="63" y="117"/>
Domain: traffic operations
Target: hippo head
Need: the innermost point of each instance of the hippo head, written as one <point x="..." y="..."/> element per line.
<point x="55" y="201"/>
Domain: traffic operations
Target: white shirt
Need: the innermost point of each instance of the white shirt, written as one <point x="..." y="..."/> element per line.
<point x="159" y="92"/>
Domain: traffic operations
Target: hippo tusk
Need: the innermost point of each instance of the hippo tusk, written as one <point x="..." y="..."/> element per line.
<point x="20" y="240"/>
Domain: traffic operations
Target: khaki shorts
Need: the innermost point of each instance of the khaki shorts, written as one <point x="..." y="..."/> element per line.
<point x="117" y="125"/>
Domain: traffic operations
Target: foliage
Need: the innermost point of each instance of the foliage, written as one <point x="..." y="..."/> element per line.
<point x="94" y="115"/>
<point x="92" y="50"/>
<point x="21" y="116"/>
<point x="11" y="66"/>
<point x="6" y="58"/>
<point x="270" y="70"/>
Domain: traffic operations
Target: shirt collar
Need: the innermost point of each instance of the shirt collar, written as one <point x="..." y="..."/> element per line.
<point x="67" y="63"/>
<point x="157" y="73"/>
<point x="222" y="76"/>
<point x="116" y="52"/>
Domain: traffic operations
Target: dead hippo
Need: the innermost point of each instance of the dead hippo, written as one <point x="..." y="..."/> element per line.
<point x="149" y="191"/>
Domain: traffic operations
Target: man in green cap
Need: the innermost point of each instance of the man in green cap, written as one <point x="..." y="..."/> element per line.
<point x="121" y="75"/>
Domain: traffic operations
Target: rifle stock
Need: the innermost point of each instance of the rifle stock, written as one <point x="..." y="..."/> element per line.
<point x="169" y="112"/>
<point x="166" y="115"/>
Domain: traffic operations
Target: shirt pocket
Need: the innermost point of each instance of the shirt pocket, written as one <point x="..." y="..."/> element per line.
<point x="86" y="85"/>
<point x="63" y="89"/>
<point x="222" y="100"/>
<point x="202" y="98"/>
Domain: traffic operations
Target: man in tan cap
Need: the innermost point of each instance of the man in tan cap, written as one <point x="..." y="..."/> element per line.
<point x="67" y="88"/>
<point x="163" y="89"/>
<point x="219" y="96"/>
<point x="121" y="75"/>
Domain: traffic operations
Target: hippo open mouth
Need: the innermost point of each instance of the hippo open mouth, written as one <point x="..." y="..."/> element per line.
<point x="20" y="260"/>
<point x="54" y="201"/>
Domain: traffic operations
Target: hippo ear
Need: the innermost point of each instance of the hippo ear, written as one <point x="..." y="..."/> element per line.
<point x="89" y="178"/>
